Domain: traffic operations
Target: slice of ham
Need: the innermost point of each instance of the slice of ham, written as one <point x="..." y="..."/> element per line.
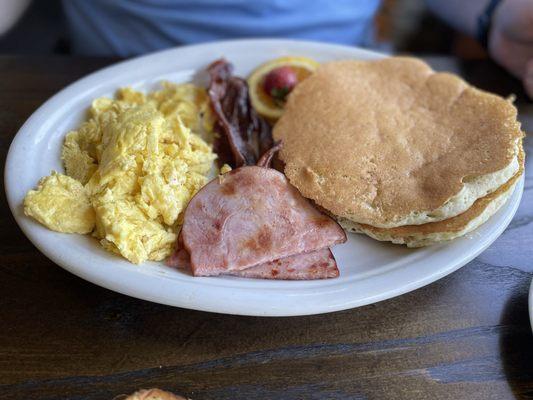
<point x="252" y="223"/>
<point x="252" y="216"/>
<point x="318" y="264"/>
<point x="180" y="258"/>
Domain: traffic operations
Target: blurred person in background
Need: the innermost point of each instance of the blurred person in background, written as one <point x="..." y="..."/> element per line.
<point x="130" y="27"/>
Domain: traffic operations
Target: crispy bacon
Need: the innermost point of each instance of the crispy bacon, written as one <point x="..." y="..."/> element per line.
<point x="241" y="130"/>
<point x="266" y="158"/>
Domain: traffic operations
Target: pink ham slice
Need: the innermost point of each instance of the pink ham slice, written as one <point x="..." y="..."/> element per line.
<point x="318" y="264"/>
<point x="252" y="216"/>
<point x="180" y="258"/>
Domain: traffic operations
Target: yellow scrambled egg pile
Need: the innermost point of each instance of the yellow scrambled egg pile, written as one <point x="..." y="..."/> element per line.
<point x="131" y="170"/>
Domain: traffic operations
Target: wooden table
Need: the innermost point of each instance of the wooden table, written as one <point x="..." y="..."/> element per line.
<point x="467" y="336"/>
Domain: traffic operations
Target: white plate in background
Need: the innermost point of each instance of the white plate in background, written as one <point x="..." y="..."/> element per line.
<point x="530" y="304"/>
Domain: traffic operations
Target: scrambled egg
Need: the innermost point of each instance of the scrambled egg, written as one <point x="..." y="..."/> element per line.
<point x="61" y="204"/>
<point x="131" y="170"/>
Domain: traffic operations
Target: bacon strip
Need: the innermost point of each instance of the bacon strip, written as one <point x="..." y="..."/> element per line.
<point x="266" y="158"/>
<point x="240" y="128"/>
<point x="318" y="264"/>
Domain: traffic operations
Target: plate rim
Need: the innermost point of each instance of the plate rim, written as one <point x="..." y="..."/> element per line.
<point x="122" y="287"/>
<point x="530" y="303"/>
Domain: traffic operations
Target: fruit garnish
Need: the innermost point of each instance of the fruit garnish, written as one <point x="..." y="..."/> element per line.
<point x="279" y="82"/>
<point x="271" y="83"/>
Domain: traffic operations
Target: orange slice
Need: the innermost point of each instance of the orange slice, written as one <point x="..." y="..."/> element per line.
<point x="263" y="103"/>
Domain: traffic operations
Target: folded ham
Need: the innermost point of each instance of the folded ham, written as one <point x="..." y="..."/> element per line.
<point x="251" y="222"/>
<point x="250" y="216"/>
<point x="318" y="264"/>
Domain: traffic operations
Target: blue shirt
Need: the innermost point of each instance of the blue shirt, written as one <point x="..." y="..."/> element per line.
<point x="131" y="27"/>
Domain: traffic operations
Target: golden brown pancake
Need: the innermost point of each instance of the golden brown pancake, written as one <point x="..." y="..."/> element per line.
<point x="425" y="234"/>
<point x="391" y="142"/>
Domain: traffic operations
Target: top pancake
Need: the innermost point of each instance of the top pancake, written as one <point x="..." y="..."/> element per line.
<point x="391" y="142"/>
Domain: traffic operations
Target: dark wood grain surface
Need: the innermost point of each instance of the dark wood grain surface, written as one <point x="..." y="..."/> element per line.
<point x="466" y="336"/>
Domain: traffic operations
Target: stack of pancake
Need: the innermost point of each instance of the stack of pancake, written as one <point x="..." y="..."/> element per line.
<point x="397" y="151"/>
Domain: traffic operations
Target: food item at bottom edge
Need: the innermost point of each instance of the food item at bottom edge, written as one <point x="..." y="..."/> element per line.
<point x="243" y="136"/>
<point x="251" y="219"/>
<point x="271" y="82"/>
<point x="132" y="168"/>
<point x="151" y="394"/>
<point x="390" y="143"/>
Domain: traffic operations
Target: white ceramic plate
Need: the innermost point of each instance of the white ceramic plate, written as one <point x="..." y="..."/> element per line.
<point x="370" y="271"/>
<point x="530" y="304"/>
